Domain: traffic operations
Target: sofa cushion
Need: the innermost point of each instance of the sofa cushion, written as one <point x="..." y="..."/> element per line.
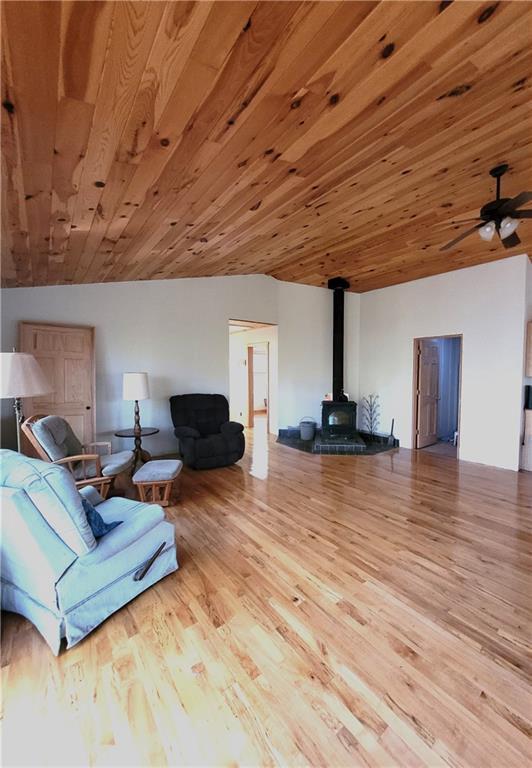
<point x="56" y="437"/>
<point x="53" y="491"/>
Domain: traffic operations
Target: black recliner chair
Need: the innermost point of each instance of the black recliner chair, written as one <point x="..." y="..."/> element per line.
<point x="207" y="438"/>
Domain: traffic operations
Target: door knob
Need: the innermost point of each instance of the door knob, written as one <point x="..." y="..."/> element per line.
<point x="87" y="407"/>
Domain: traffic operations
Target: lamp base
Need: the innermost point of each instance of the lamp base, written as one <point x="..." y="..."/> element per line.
<point x="19" y="416"/>
<point x="141" y="456"/>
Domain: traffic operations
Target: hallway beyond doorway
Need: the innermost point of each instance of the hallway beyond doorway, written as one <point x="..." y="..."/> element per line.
<point x="253" y="374"/>
<point x="437" y="372"/>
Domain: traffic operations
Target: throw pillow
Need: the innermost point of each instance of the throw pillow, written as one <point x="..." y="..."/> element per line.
<point x="95" y="520"/>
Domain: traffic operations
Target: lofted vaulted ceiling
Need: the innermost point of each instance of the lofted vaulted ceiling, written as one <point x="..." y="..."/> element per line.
<point x="149" y="140"/>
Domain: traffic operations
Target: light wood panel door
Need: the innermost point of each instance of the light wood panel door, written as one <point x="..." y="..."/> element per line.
<point x="428" y="371"/>
<point x="66" y="355"/>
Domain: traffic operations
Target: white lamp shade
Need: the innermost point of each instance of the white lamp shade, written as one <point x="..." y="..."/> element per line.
<point x="487" y="231"/>
<point x="22" y="376"/>
<point x="508" y="227"/>
<point x="135" y="386"/>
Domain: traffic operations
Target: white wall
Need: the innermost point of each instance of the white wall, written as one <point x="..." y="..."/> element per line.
<point x="305" y="350"/>
<point x="528" y="303"/>
<point x="177" y="330"/>
<point x="174" y="329"/>
<point x="526" y="379"/>
<point x="487" y="305"/>
<point x="238" y="373"/>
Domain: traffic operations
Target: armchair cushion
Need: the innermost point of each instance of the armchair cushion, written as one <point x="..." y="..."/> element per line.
<point x="111" y="465"/>
<point x="138" y="517"/>
<point x="186" y="432"/>
<point x="56" y="437"/>
<point x="231" y="428"/>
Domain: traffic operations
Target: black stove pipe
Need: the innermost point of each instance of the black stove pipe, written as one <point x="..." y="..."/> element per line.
<point x="338" y="285"/>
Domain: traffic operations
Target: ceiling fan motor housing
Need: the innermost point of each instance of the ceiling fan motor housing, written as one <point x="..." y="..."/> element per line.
<point x="489" y="212"/>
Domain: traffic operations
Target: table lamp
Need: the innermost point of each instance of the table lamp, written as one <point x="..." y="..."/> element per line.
<point x="21" y="376"/>
<point x="135" y="387"/>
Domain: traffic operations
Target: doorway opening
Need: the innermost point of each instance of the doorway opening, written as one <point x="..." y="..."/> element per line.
<point x="437" y="385"/>
<point x="253" y="375"/>
<point x="258" y="385"/>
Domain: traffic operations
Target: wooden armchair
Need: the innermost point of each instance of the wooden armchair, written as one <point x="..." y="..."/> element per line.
<point x="54" y="441"/>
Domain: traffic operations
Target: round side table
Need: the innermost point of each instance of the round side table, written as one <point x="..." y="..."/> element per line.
<point x="140" y="453"/>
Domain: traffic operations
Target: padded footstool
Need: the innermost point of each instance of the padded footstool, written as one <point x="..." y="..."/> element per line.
<point x="154" y="480"/>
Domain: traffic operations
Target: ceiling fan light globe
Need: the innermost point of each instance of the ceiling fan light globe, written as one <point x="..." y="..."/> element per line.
<point x="508" y="227"/>
<point x="487" y="231"/>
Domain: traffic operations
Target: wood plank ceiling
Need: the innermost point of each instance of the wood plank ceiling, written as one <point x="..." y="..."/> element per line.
<point x="148" y="140"/>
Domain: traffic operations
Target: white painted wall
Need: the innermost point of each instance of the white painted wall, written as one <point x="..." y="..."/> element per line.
<point x="177" y="330"/>
<point x="526" y="379"/>
<point x="487" y="305"/>
<point x="238" y="373"/>
<point x="528" y="302"/>
<point x="174" y="329"/>
<point x="305" y="350"/>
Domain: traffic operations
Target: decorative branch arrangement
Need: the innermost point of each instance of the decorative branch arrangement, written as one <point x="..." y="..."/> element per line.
<point x="371" y="413"/>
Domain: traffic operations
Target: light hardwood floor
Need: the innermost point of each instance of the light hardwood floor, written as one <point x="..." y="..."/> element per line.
<point x="329" y="611"/>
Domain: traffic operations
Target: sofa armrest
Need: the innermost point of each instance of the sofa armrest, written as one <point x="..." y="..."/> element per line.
<point x="187" y="432"/>
<point x="231" y="428"/>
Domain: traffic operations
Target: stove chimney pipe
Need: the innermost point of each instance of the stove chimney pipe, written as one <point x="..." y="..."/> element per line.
<point x="338" y="285"/>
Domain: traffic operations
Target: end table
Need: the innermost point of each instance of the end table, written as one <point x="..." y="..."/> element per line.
<point x="141" y="455"/>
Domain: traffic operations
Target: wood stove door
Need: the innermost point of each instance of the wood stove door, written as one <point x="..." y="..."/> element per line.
<point x="428" y="371"/>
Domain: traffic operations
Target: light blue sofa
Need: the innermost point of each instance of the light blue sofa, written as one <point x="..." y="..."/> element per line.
<point x="53" y="571"/>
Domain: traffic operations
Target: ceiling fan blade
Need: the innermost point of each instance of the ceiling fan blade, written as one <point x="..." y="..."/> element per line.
<point x="461" y="237"/>
<point x="515" y="202"/>
<point x="464" y="221"/>
<point x="511" y="241"/>
<point x="521" y="214"/>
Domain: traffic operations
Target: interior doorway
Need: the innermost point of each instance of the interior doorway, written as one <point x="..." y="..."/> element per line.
<point x="437" y="383"/>
<point x="258" y="383"/>
<point x="253" y="374"/>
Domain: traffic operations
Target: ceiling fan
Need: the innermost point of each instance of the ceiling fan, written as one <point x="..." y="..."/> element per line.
<point x="500" y="215"/>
